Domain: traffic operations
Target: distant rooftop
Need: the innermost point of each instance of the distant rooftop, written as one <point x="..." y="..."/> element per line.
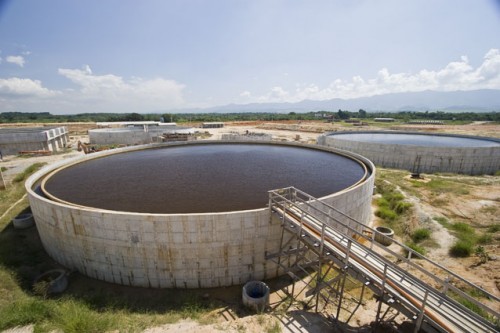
<point x="133" y="123"/>
<point x="26" y="129"/>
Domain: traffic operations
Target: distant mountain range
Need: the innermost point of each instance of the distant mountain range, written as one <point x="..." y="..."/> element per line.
<point x="485" y="100"/>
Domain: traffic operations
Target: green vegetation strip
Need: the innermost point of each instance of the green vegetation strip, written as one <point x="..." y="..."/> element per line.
<point x="392" y="207"/>
<point x="468" y="241"/>
<point x="403" y="116"/>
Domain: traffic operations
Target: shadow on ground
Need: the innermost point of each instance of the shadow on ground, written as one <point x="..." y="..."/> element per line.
<point x="22" y="252"/>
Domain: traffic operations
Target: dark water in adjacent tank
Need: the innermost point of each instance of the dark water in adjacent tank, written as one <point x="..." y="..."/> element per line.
<point x="427" y="140"/>
<point x="201" y="178"/>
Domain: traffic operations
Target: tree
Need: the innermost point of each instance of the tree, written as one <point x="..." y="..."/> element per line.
<point x="343" y="114"/>
<point x="362" y="113"/>
<point x="134" y="117"/>
<point x="169" y="117"/>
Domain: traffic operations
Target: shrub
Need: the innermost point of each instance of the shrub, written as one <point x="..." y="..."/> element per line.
<point x="482" y="254"/>
<point x="394" y="197"/>
<point x="386" y="213"/>
<point x="382" y="202"/>
<point x="401" y="207"/>
<point x="462" y="227"/>
<point x="420" y="235"/>
<point x="462" y="248"/>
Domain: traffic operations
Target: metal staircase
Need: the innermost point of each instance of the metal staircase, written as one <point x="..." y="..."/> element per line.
<point x="319" y="238"/>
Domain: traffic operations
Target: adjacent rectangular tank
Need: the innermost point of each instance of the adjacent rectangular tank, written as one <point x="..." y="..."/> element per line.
<point x="15" y="140"/>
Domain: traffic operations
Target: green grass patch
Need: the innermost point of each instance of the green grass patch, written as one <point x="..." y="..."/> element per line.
<point x="417" y="248"/>
<point x="26" y="311"/>
<point x="420" y="235"/>
<point x="391" y="205"/>
<point x="20" y="177"/>
<point x="466" y="235"/>
<point x="473" y="307"/>
<point x="462" y="227"/>
<point x="462" y="248"/>
<point x="74" y="317"/>
<point x="485" y="239"/>
<point x="442" y="220"/>
<point x="386" y="214"/>
<point x="442" y="186"/>
<point x="494" y="228"/>
<point x="401" y="207"/>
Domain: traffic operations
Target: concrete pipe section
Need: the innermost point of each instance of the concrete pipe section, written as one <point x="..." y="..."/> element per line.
<point x="188" y="214"/>
<point x="255" y="296"/>
<point x="421" y="152"/>
<point x="23" y="221"/>
<point x="384" y="235"/>
<point x="56" y="281"/>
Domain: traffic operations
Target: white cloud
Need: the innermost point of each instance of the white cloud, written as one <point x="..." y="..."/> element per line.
<point x="457" y="75"/>
<point x="16" y="87"/>
<point x="93" y="93"/>
<point x="277" y="94"/>
<point x="245" y="94"/>
<point x="112" y="93"/>
<point x="18" y="60"/>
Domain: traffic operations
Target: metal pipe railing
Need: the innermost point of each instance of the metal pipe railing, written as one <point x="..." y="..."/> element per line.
<point x="291" y="196"/>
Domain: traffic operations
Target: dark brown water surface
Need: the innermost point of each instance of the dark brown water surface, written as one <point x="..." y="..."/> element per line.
<point x="201" y="178"/>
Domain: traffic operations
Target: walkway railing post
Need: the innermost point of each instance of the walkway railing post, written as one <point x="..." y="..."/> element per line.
<point x="382" y="291"/>
<point x="422" y="312"/>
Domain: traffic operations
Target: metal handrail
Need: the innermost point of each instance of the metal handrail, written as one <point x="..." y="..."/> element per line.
<point x="404" y="295"/>
<point x="292" y="195"/>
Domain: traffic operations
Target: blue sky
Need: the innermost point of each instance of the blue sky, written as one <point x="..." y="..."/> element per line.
<point x="76" y="56"/>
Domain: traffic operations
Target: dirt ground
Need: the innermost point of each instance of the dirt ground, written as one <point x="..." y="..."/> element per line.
<point x="480" y="207"/>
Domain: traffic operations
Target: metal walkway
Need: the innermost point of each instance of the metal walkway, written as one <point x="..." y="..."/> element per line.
<point x="321" y="237"/>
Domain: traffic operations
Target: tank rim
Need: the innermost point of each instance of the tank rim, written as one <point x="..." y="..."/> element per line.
<point x="449" y="135"/>
<point x="45" y="173"/>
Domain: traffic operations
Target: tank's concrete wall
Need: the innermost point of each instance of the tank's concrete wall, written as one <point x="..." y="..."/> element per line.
<point x="169" y="250"/>
<point x="246" y="137"/>
<point x="420" y="159"/>
<point x="131" y="136"/>
<point x="53" y="139"/>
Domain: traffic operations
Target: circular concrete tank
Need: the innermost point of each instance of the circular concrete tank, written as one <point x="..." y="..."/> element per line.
<point x="185" y="215"/>
<point x="421" y="152"/>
